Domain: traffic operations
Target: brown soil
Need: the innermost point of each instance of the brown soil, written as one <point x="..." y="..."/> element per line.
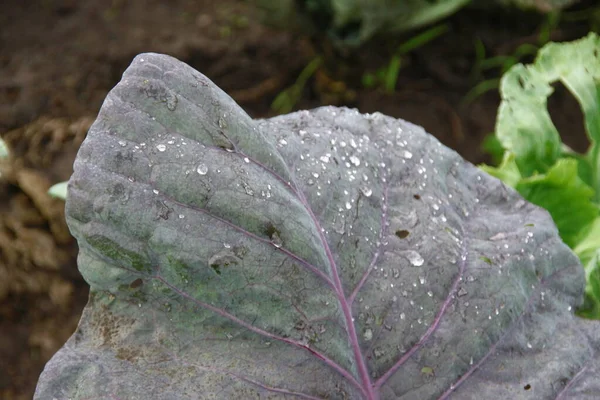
<point x="59" y="58"/>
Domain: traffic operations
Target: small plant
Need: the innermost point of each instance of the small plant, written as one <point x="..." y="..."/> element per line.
<point x="59" y="190"/>
<point x="351" y="23"/>
<point x="505" y="62"/>
<point x="536" y="162"/>
<point x="3" y="149"/>
<point x="387" y="76"/>
<point x="287" y="99"/>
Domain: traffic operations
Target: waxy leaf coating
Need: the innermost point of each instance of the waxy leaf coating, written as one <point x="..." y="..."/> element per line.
<point x="323" y="254"/>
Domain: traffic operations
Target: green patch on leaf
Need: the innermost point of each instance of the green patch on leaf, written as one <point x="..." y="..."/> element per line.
<point x="119" y="254"/>
<point x="486" y="259"/>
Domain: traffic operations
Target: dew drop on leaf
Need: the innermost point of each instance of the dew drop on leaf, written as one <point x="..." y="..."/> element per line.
<point x="355" y="160"/>
<point x="161" y="147"/>
<point x="414" y="258"/>
<point x="276" y="240"/>
<point x="366" y="191"/>
<point x="202" y="169"/>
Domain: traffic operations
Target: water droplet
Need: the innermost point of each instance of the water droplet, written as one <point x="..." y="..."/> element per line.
<point x="246" y="160"/>
<point x="171" y="102"/>
<point x="161" y="147"/>
<point x="406" y="154"/>
<point x="315" y="174"/>
<point x="249" y="191"/>
<point x="422" y="280"/>
<point x="348" y="205"/>
<point x="202" y="169"/>
<point x="276" y="240"/>
<point x="122" y="143"/>
<point x="355" y="160"/>
<point x="282" y="142"/>
<point x="414" y="258"/>
<point x="181" y="216"/>
<point x="498" y="236"/>
<point x="402" y="316"/>
<point x="325" y="158"/>
<point x="366" y="191"/>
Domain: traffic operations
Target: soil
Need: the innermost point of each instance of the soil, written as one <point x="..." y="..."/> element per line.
<point x="59" y="58"/>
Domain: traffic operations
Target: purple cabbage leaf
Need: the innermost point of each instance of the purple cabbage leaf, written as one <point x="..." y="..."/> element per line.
<point x="323" y="254"/>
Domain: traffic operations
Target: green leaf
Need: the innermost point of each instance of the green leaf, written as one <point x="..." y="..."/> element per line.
<point x="3" y="149"/>
<point x="588" y="250"/>
<point x="577" y="65"/>
<point x="493" y="147"/>
<point x="524" y="126"/>
<point x="565" y="196"/>
<point x="507" y="171"/>
<point x="59" y="190"/>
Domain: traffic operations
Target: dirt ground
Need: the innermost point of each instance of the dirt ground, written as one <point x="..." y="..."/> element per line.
<point x="59" y="58"/>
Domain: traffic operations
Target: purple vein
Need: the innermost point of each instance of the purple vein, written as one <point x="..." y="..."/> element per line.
<point x="363" y="372"/>
<point x="377" y="250"/>
<point x="259" y="331"/>
<point x="305" y="263"/>
<point x="434" y="325"/>
<point x="345" y="305"/>
<point x="562" y="393"/>
<point x="243" y="378"/>
<point x="367" y="387"/>
<point x="492" y="349"/>
<point x="276" y="390"/>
